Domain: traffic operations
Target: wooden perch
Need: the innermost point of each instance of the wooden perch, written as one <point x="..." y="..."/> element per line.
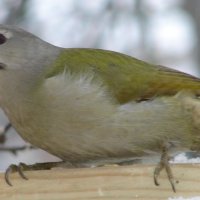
<point x="108" y="183"/>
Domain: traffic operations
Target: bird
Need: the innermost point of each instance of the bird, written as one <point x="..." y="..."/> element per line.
<point x="90" y="107"/>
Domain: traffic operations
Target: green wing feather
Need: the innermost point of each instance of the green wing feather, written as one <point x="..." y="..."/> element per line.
<point x="126" y="77"/>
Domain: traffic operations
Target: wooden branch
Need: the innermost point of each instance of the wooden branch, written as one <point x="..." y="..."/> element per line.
<point x="108" y="183"/>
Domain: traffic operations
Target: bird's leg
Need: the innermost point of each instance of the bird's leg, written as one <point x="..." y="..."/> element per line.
<point x="164" y="164"/>
<point x="38" y="166"/>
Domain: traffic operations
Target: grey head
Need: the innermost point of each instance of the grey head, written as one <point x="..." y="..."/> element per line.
<point x="21" y="49"/>
<point x="23" y="57"/>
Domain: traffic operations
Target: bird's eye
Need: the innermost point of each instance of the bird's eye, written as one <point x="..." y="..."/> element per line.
<point x="2" y="39"/>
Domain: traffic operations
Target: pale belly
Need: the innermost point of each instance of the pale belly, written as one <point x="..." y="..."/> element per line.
<point x="135" y="130"/>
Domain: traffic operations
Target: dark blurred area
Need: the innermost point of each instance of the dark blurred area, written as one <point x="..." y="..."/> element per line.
<point x="158" y="31"/>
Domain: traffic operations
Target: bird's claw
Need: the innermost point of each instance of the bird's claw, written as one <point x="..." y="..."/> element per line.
<point x="38" y="166"/>
<point x="156" y="178"/>
<point x="15" y="168"/>
<point x="164" y="164"/>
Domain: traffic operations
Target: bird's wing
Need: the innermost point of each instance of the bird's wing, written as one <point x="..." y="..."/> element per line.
<point x="125" y="77"/>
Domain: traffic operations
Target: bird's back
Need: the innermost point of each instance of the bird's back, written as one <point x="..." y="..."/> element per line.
<point x="126" y="77"/>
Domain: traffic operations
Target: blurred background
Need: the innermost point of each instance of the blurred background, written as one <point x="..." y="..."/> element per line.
<point x="165" y="32"/>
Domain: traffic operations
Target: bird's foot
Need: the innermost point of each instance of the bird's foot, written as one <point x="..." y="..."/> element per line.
<point x="164" y="164"/>
<point x="15" y="168"/>
<point x="38" y="166"/>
